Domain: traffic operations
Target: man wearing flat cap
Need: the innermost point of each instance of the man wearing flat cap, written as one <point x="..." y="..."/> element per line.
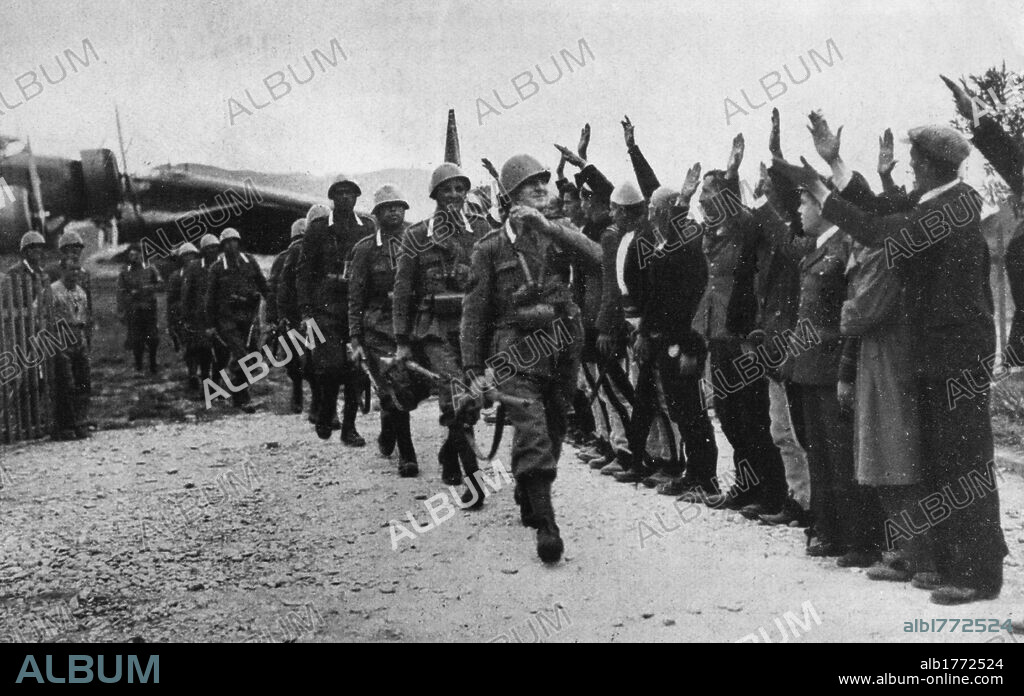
<point x="934" y="244"/>
<point x="322" y="289"/>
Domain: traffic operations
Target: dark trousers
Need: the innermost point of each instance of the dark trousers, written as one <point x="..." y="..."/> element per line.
<point x="659" y="380"/>
<point x="959" y="474"/>
<point x="744" y="410"/>
<point x="539" y="427"/>
<point x="794" y="399"/>
<point x="142" y="335"/>
<point x="235" y="336"/>
<point x="845" y="513"/>
<point x="71" y="390"/>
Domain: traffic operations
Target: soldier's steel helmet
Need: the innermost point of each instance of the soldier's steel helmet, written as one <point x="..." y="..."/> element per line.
<point x="31" y="239"/>
<point x="70" y="239"/>
<point x="386" y="195"/>
<point x="343" y="180"/>
<point x="187" y="248"/>
<point x="627" y="193"/>
<point x="447" y="172"/>
<point x="208" y="240"/>
<point x="229" y="233"/>
<point x="518" y="169"/>
<point x="299" y="228"/>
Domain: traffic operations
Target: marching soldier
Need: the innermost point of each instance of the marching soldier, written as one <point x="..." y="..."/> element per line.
<point x="236" y="284"/>
<point x="432" y="277"/>
<point x="68" y="303"/>
<point x="520" y="290"/>
<point x="323" y="297"/>
<point x="371" y="279"/>
<point x="286" y="319"/>
<point x="187" y="253"/>
<point x="136" y="294"/>
<point x="195" y="280"/>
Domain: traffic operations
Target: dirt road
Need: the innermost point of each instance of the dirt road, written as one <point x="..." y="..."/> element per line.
<point x="249" y="528"/>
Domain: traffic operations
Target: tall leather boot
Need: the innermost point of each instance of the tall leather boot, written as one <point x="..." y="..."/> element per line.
<point x="388" y="436"/>
<point x="448" y="458"/>
<point x="407" y="465"/>
<point x="549" y="543"/>
<point x="349" y="435"/>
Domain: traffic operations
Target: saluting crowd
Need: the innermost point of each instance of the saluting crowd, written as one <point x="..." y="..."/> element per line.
<point x="824" y="319"/>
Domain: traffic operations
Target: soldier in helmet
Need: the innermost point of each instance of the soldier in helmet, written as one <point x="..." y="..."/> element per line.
<point x="288" y="309"/>
<point x="323" y="296"/>
<point x="236" y="284"/>
<point x="371" y="279"/>
<point x="32" y="246"/>
<point x="195" y="280"/>
<point x="520" y="298"/>
<point x="71" y="247"/>
<point x="282" y="315"/>
<point x="186" y="253"/>
<point x="136" y="294"/>
<point x="432" y="277"/>
<point x="69" y="305"/>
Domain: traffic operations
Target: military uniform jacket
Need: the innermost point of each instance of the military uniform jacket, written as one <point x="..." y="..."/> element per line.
<point x="136" y="288"/>
<point x="56" y="271"/>
<point x="286" y="290"/>
<point x="488" y="312"/>
<point x="39" y="281"/>
<point x="822" y="293"/>
<point x="942" y="261"/>
<point x="174" y="287"/>
<point x="434" y="259"/>
<point x="234" y="290"/>
<point x="728" y="310"/>
<point x="195" y="281"/>
<point x="321" y="278"/>
<point x="371" y="279"/>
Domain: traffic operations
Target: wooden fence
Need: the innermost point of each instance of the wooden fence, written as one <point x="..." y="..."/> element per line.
<point x="25" y="372"/>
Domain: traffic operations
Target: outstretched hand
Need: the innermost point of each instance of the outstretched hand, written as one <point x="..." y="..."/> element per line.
<point x="732" y="166"/>
<point x="691" y="182"/>
<point x="804" y="176"/>
<point x="825" y="141"/>
<point x="775" y="139"/>
<point x="627" y="132"/>
<point x="581" y="149"/>
<point x="885" y="154"/>
<point x="962" y="98"/>
<point x="571" y="157"/>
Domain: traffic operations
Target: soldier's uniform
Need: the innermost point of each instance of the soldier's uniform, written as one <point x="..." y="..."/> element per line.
<point x="520" y="319"/>
<point x="232" y="303"/>
<point x="72" y="385"/>
<point x="198" y="346"/>
<point x="175" y="312"/>
<point x="322" y="286"/>
<point x="432" y="277"/>
<point x="371" y="279"/>
<point x="288" y="310"/>
<point x="276" y="317"/>
<point x="136" y="295"/>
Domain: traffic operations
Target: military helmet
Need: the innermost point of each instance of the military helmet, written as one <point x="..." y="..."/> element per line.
<point x="405" y="388"/>
<point x="70" y="239"/>
<point x="187" y="248"/>
<point x="298" y="228"/>
<point x="518" y="169"/>
<point x="31" y="239"/>
<point x="317" y="211"/>
<point x="447" y="172"/>
<point x="229" y="233"/>
<point x="386" y="194"/>
<point x="208" y="240"/>
<point x="627" y="193"/>
<point x="342" y="180"/>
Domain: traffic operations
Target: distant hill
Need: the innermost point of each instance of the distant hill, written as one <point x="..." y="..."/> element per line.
<point x="412" y="183"/>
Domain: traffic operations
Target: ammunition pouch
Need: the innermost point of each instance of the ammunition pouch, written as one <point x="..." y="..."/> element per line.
<point x="443" y="304"/>
<point x="536" y="306"/>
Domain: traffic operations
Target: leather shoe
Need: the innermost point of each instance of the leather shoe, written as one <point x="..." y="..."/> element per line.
<point x="631" y="475"/>
<point x="600" y="462"/>
<point x="755" y="510"/>
<point x="858" y="559"/>
<point x="658" y="478"/>
<point x="951" y="594"/>
<point x="323" y="432"/>
<point x="352" y="438"/>
<point x="889" y="573"/>
<point x="408" y="469"/>
<point x="820" y="549"/>
<point x="790" y="512"/>
<point x="611" y="468"/>
<point x="927" y="580"/>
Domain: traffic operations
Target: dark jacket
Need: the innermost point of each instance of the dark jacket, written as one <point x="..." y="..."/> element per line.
<point x="136" y="289"/>
<point x="645" y="175"/>
<point x="610" y="317"/>
<point x="941" y="258"/>
<point x="433" y="260"/>
<point x="822" y="293"/>
<point x="175" y="283"/>
<point x="193" y="295"/>
<point x="371" y="279"/>
<point x="286" y="292"/>
<point x="321" y="271"/>
<point x="234" y="291"/>
<point x="667" y="288"/>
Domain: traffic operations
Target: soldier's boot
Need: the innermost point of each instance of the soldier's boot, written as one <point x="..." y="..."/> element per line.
<point x="407" y="465"/>
<point x="388" y="434"/>
<point x="549" y="542"/>
<point x="349" y="435"/>
<point x="526" y="515"/>
<point x="314" y="402"/>
<point x="473" y="497"/>
<point x="448" y="458"/>
<point x="296" y="396"/>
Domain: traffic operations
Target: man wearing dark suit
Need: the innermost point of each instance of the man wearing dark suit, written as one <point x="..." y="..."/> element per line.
<point x="934" y="242"/>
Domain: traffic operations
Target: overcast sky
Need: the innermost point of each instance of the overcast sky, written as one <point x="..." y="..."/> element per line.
<point x="173" y="66"/>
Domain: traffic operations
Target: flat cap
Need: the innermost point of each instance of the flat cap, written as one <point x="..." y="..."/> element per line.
<point x="941" y="142"/>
